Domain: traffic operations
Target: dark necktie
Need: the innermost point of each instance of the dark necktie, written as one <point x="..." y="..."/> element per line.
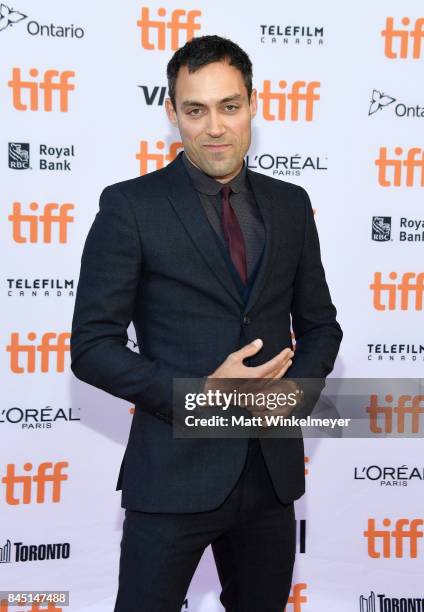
<point x="233" y="234"/>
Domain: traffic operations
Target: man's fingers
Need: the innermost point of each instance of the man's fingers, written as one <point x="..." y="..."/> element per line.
<point x="274" y="365"/>
<point x="280" y="373"/>
<point x="248" y="350"/>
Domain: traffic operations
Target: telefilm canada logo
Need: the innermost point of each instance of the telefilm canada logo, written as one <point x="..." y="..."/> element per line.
<point x="287" y="164"/>
<point x="380" y="101"/>
<point x="387" y="351"/>
<point x="50" y="158"/>
<point x="10" y="17"/>
<point x="407" y="230"/>
<point x="40" y="287"/>
<point x="380" y="602"/>
<point x="291" y="34"/>
<point x="19" y="552"/>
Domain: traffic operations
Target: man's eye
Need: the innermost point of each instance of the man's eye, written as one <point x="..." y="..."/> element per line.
<point x="194" y="112"/>
<point x="231" y="107"/>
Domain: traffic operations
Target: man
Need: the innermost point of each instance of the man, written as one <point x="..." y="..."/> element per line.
<point x="210" y="261"/>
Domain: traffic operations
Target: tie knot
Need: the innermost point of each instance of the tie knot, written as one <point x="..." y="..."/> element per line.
<point x="226" y="191"/>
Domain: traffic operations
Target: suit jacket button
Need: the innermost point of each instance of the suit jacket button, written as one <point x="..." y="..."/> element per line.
<point x="246" y="320"/>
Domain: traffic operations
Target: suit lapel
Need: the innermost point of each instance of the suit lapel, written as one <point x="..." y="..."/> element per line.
<point x="188" y="207"/>
<point x="264" y="199"/>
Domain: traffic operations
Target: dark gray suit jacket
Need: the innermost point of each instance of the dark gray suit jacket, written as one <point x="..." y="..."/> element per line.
<point x="151" y="257"/>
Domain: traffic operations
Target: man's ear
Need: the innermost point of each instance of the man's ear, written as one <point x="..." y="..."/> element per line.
<point x="253" y="103"/>
<point x="171" y="112"/>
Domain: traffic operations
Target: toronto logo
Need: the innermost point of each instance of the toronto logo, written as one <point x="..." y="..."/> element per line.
<point x="8" y="17"/>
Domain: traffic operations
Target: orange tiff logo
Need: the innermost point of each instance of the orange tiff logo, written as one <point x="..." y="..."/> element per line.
<point x="51" y="342"/>
<point x="31" y="488"/>
<point x="296" y="599"/>
<point x="401" y="171"/>
<point x="287" y="105"/>
<point x="39" y="93"/>
<point x="380" y="540"/>
<point x="394" y="295"/>
<point x="38" y="226"/>
<point x="150" y="161"/>
<point x="180" y="21"/>
<point x="397" y="40"/>
<point x="408" y="410"/>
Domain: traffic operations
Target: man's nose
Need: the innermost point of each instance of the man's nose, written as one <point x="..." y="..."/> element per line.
<point x="215" y="127"/>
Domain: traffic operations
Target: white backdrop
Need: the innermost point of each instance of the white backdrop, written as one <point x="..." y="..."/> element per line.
<point x="78" y="109"/>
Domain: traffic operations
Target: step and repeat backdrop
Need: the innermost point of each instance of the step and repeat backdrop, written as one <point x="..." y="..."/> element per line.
<point x="341" y="112"/>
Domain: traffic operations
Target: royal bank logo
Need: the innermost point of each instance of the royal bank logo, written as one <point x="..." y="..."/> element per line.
<point x="8" y="17"/>
<point x="380" y="101"/>
<point x="19" y="155"/>
<point x="47" y="157"/>
<point x="402" y="230"/>
<point x="381" y="229"/>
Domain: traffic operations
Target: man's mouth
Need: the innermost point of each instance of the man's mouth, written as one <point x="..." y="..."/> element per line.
<point x="217" y="147"/>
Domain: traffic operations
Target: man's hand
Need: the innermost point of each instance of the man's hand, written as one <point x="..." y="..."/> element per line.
<point x="233" y="366"/>
<point x="233" y="375"/>
<point x="282" y="388"/>
<point x="263" y="379"/>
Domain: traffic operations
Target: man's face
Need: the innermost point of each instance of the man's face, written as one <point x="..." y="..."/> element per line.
<point x="213" y="114"/>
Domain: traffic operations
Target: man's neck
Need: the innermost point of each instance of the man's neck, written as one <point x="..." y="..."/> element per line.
<point x="220" y="180"/>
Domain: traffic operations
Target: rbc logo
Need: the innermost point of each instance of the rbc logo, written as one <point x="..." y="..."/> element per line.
<point x="381" y="229"/>
<point x="19" y="155"/>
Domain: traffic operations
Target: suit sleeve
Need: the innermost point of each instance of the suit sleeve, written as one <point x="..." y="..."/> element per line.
<point x="316" y="330"/>
<point x="106" y="296"/>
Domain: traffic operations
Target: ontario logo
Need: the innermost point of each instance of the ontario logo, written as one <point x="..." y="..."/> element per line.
<point x="380" y="101"/>
<point x="8" y="17"/>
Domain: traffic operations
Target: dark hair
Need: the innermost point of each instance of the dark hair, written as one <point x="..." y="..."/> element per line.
<point x="205" y="50"/>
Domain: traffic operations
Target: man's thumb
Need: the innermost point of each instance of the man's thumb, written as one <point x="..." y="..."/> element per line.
<point x="250" y="349"/>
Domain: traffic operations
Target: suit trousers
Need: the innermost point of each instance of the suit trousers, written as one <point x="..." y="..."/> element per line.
<point x="253" y="539"/>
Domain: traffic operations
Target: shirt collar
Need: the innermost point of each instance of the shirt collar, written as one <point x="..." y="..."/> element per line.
<point x="208" y="185"/>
